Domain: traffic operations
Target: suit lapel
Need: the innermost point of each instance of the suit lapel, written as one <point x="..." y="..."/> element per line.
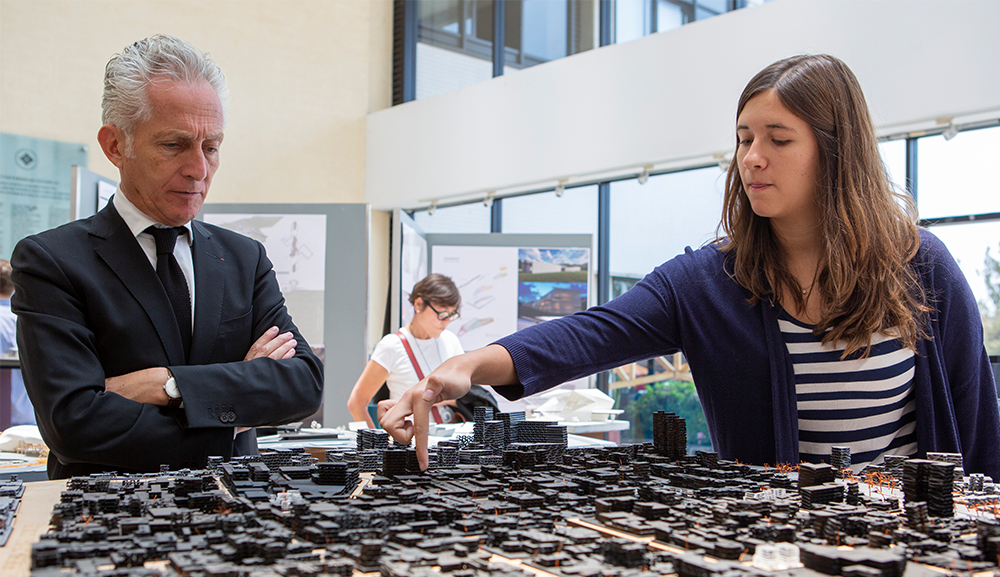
<point x="210" y="283"/>
<point x="115" y="244"/>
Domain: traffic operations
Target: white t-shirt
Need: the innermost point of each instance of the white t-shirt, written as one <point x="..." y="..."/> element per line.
<point x="390" y="354"/>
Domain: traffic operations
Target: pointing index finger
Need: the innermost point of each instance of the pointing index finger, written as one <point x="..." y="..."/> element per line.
<point x="421" y="421"/>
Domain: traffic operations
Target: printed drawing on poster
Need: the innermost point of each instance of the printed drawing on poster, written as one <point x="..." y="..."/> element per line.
<point x="486" y="277"/>
<point x="295" y="243"/>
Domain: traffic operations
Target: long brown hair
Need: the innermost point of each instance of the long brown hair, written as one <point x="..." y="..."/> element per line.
<point x="869" y="231"/>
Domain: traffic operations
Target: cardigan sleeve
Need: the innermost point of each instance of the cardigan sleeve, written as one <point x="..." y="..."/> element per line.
<point x="968" y="378"/>
<point x="642" y="323"/>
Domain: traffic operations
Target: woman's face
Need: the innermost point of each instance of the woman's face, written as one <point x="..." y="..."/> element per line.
<point x="778" y="159"/>
<point x="427" y="319"/>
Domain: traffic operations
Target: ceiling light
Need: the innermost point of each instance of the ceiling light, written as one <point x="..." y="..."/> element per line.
<point x="488" y="200"/>
<point x="644" y="175"/>
<point x="950" y="132"/>
<point x="560" y="187"/>
<point x="432" y="208"/>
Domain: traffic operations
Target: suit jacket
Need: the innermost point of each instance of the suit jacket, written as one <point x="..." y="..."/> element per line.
<point x="90" y="306"/>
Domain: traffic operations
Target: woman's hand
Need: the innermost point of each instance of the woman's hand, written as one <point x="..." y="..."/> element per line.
<point x="442" y="385"/>
<point x="450" y="381"/>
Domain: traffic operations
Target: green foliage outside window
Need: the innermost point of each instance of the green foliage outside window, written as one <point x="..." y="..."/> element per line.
<point x="990" y="310"/>
<point x="679" y="397"/>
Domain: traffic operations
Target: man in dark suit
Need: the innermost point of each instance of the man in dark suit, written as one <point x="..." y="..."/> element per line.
<point x="146" y="337"/>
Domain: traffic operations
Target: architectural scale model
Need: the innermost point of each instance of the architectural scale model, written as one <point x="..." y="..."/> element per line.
<point x="513" y="499"/>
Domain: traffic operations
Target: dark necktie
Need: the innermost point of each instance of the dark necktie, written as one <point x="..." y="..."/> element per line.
<point x="173" y="280"/>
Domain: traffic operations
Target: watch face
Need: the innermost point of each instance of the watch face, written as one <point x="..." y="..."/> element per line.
<point x="171" y="389"/>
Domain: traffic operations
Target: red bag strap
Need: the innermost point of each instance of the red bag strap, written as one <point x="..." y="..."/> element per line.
<point x="416" y="367"/>
<point x="409" y="352"/>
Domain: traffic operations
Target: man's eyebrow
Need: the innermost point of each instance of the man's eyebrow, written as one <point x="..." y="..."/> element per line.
<point x="184" y="135"/>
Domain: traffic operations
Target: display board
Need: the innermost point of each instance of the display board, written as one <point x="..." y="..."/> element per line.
<point x="507" y="281"/>
<point x="410" y="261"/>
<point x="34" y="186"/>
<point x="320" y="258"/>
<point x="89" y="192"/>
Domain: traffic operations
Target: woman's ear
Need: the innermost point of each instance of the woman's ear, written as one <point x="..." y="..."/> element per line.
<point x="418" y="304"/>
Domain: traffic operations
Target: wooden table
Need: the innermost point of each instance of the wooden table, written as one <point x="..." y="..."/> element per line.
<point x="31" y="522"/>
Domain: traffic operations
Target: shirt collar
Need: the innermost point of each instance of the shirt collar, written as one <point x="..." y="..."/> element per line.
<point x="137" y="220"/>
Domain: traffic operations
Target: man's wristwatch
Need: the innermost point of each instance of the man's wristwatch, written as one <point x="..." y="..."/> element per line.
<point x="173" y="393"/>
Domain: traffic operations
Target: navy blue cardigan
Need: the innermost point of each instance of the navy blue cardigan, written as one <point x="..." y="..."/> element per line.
<point x="741" y="366"/>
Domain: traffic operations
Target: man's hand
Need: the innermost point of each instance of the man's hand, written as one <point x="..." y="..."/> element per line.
<point x="145" y="386"/>
<point x="272" y="345"/>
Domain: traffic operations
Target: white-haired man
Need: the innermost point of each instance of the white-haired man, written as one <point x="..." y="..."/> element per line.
<point x="146" y="337"/>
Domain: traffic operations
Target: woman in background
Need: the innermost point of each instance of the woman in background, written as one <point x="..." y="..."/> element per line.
<point x="823" y="317"/>
<point x="435" y="301"/>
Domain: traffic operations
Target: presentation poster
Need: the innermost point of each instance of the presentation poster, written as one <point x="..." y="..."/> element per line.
<point x="296" y="246"/>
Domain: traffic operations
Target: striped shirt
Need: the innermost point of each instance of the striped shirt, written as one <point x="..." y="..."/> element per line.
<point x="866" y="404"/>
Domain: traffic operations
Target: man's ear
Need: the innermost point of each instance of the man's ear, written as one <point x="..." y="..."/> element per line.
<point x="112" y="141"/>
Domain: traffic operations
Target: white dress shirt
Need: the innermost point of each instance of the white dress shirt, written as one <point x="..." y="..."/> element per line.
<point x="138" y="222"/>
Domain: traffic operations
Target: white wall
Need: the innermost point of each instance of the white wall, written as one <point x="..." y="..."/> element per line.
<point x="303" y="74"/>
<point x="670" y="99"/>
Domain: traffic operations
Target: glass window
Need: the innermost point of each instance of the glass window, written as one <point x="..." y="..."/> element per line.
<point x="455" y="41"/>
<point x="575" y="212"/>
<point x="637" y="18"/>
<point x="455" y="45"/>
<point x="709" y="8"/>
<point x="481" y="25"/>
<point x="953" y="176"/>
<point x="440" y="70"/>
<point x="443" y="15"/>
<point x="653" y="222"/>
<point x="468" y="218"/>
<point x="631" y="20"/>
<point x="972" y="245"/>
<point x="672" y="396"/>
<point x="894" y="156"/>
<point x="719" y="6"/>
<point x="668" y="16"/>
<point x="544" y="29"/>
